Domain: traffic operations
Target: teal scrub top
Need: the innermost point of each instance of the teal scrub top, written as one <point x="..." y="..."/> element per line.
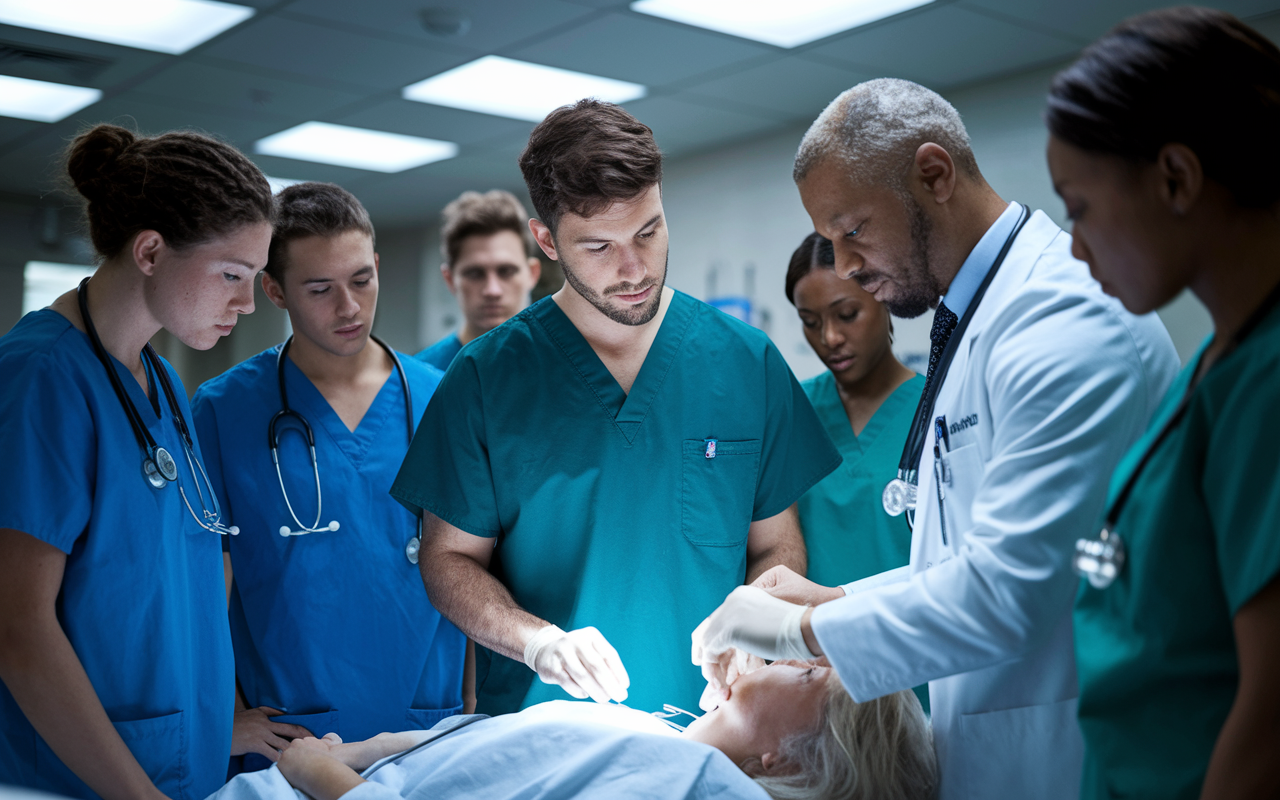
<point x="1156" y="650"/>
<point x="143" y="600"/>
<point x="441" y="354"/>
<point x="846" y="529"/>
<point x="607" y="509"/>
<point x="847" y="532"/>
<point x="333" y="627"/>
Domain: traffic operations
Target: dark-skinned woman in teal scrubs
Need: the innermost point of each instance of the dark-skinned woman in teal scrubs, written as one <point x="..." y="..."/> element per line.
<point x="1162" y="147"/>
<point x="865" y="400"/>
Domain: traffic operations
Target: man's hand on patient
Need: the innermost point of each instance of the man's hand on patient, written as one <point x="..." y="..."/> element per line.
<point x="753" y="621"/>
<point x="582" y="662"/>
<point x="253" y="732"/>
<point x="785" y="584"/>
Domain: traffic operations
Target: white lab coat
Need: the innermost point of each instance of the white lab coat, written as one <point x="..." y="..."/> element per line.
<point x="1050" y="385"/>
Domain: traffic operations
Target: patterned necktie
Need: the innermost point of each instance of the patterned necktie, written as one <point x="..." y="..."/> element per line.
<point x="944" y="322"/>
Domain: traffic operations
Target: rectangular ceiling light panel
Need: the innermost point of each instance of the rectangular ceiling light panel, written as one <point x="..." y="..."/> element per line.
<point x="166" y="26"/>
<point x="355" y="147"/>
<point x="785" y="24"/>
<point x="516" y="89"/>
<point x="43" y="101"/>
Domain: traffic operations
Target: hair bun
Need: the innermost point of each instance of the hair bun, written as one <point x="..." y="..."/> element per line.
<point x="93" y="152"/>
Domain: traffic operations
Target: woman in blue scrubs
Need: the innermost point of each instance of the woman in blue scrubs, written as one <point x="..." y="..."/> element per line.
<point x="329" y="622"/>
<point x="865" y="400"/>
<point x="1163" y="149"/>
<point x="115" y="657"/>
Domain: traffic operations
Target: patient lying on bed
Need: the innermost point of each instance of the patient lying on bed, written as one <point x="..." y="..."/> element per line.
<point x="787" y="730"/>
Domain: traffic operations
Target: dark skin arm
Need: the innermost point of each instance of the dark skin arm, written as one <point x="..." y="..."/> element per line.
<point x="1246" y="758"/>
<point x="45" y="676"/>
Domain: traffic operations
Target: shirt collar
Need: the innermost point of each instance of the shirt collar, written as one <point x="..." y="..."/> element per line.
<point x="980" y="261"/>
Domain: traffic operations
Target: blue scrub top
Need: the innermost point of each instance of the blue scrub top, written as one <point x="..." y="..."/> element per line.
<point x="441" y="354"/>
<point x="142" y="598"/>
<point x="333" y="627"/>
<point x="607" y="510"/>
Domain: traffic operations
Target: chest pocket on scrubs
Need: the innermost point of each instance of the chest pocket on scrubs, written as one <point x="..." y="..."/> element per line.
<point x="159" y="744"/>
<point x="717" y="493"/>
<point x="962" y="471"/>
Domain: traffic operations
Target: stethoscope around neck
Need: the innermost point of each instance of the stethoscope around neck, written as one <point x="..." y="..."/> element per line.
<point x="273" y="443"/>
<point x="1100" y="559"/>
<point x="900" y="493"/>
<point x="158" y="467"/>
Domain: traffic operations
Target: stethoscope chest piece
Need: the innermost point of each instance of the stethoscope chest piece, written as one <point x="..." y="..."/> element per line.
<point x="898" y="496"/>
<point x="1100" y="559"/>
<point x="411" y="549"/>
<point x="159" y="468"/>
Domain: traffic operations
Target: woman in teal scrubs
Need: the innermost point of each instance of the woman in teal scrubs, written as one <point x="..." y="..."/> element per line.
<point x="865" y="400"/>
<point x="1162" y="147"/>
<point x="116" y="660"/>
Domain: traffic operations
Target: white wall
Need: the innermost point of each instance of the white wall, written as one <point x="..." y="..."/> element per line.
<point x="736" y="211"/>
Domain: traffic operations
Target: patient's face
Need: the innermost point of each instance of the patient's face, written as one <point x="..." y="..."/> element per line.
<point x="764" y="707"/>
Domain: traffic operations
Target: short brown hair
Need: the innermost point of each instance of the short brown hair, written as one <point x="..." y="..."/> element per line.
<point x="186" y="186"/>
<point x="313" y="209"/>
<point x="476" y="214"/>
<point x="584" y="157"/>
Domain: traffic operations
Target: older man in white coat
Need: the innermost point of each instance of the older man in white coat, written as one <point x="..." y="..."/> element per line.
<point x="1038" y="384"/>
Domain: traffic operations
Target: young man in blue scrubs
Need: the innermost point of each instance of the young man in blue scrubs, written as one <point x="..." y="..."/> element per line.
<point x="488" y="266"/>
<point x="599" y="471"/>
<point x="329" y="623"/>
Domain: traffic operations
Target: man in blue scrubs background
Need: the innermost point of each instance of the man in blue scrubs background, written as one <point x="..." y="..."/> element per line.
<point x="600" y="470"/>
<point x="488" y="267"/>
<point x="328" y="625"/>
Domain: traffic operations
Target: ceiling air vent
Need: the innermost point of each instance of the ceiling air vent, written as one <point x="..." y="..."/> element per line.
<point x="38" y="63"/>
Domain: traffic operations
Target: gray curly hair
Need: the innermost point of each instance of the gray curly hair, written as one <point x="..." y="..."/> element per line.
<point x="875" y="128"/>
<point x="878" y="750"/>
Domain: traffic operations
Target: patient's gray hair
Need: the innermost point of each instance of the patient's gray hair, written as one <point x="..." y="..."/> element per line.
<point x="875" y="128"/>
<point x="878" y="750"/>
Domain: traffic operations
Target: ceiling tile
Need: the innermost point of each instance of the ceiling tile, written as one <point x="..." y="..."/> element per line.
<point x="323" y="52"/>
<point x="794" y="86"/>
<point x="945" y="46"/>
<point x="490" y="24"/>
<point x="153" y="116"/>
<point x="683" y="126"/>
<point x="631" y="47"/>
<point x="11" y="129"/>
<point x="1088" y="21"/>
<point x="66" y="59"/>
<point x="34" y="167"/>
<point x="433" y="122"/>
<point x="245" y="92"/>
<point x="399" y="200"/>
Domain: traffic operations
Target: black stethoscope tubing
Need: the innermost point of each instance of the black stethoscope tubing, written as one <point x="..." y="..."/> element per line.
<point x="1256" y="318"/>
<point x="909" y="463"/>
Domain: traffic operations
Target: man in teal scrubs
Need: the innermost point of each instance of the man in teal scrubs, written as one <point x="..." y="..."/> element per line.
<point x="488" y="267"/>
<point x="614" y="459"/>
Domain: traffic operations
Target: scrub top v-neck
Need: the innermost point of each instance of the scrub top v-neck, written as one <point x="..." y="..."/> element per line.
<point x="627" y="512"/>
<point x="142" y="599"/>
<point x="333" y="627"/>
<point x="1156" y="650"/>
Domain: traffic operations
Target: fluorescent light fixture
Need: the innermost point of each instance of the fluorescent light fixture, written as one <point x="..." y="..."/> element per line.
<point x="788" y="23"/>
<point x="166" y="26"/>
<point x="278" y="184"/>
<point x="517" y="89"/>
<point x="355" y="147"/>
<point x="42" y="101"/>
<point x="45" y="281"/>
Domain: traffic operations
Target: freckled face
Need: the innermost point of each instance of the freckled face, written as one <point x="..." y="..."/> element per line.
<point x="197" y="293"/>
<point x="1132" y="243"/>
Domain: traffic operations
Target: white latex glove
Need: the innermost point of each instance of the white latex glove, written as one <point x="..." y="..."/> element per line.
<point x="751" y="620"/>
<point x="736" y="664"/>
<point x="582" y="662"/>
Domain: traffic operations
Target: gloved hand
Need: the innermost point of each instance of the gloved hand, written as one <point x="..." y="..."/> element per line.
<point x="732" y="665"/>
<point x="752" y="620"/>
<point x="582" y="662"/>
